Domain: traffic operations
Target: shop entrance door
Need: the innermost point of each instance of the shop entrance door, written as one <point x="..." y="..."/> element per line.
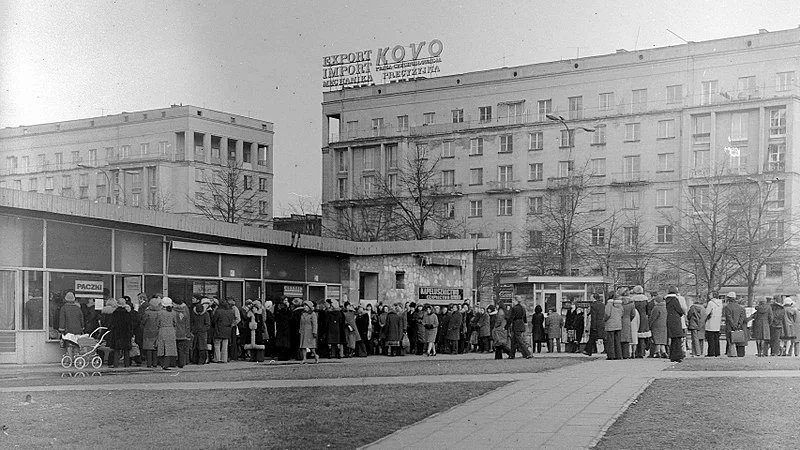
<point x="316" y="294"/>
<point x="8" y="316"/>
<point x="234" y="290"/>
<point x="552" y="300"/>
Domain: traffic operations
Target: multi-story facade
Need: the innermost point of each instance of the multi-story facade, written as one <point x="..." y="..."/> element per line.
<point x="158" y="159"/>
<point x="656" y="123"/>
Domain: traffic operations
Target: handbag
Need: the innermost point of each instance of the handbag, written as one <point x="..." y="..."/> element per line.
<point x="737" y="337"/>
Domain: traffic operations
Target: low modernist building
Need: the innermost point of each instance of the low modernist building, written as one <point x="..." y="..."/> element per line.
<point x="52" y="245"/>
<point x="647" y="126"/>
<point x="158" y="159"/>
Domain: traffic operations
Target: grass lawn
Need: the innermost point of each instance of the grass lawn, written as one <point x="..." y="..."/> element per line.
<point x="356" y="368"/>
<point x="704" y="413"/>
<point x="746" y="363"/>
<point x="321" y="417"/>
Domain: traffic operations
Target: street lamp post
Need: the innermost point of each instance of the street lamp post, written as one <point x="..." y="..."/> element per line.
<point x="566" y="242"/>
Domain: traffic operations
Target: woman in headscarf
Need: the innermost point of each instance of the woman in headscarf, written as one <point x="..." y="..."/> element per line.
<point x="658" y="326"/>
<point x="200" y="321"/>
<point x="352" y="335"/>
<point x="430" y="325"/>
<point x="334" y="327"/>
<point x="283" y="317"/>
<point x="643" y="333"/>
<point x="308" y="331"/>
<point x="166" y="342"/>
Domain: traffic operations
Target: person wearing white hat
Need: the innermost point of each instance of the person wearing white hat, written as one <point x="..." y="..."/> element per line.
<point x="166" y="345"/>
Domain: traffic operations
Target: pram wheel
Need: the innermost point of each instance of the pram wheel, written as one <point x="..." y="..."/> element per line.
<point x="97" y="362"/>
<point x="79" y="362"/>
<point x="66" y="361"/>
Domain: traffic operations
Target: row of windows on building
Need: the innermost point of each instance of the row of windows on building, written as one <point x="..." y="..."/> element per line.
<point x="202" y="197"/>
<point x="130" y="185"/>
<point x="598" y="237"/>
<point x="218" y="177"/>
<point x="629" y="200"/>
<point x="666" y="129"/>
<point x="514" y="112"/>
<point x="76" y="157"/>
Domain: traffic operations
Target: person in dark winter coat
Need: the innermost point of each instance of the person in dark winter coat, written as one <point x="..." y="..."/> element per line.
<point x="222" y="323"/>
<point x="150" y="331"/>
<point x="454" y="329"/>
<point x="121" y="328"/>
<point x="674" y="326"/>
<point x="283" y="342"/>
<point x="484" y="331"/>
<point x="200" y="322"/>
<point x="537" y="329"/>
<point x="441" y="332"/>
<point x="735" y="320"/>
<point x="417" y="317"/>
<point x="362" y="325"/>
<point x="70" y="320"/>
<point x="762" y="317"/>
<point x="643" y="334"/>
<point x="519" y="320"/>
<point x="695" y="323"/>
<point x="597" y="325"/>
<point x="578" y="324"/>
<point x="334" y="330"/>
<point x="776" y="327"/>
<point x="500" y="336"/>
<point x="183" y="331"/>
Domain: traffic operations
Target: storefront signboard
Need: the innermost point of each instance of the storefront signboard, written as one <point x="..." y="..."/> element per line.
<point x="334" y="292"/>
<point x="441" y="294"/>
<point x="290" y="290"/>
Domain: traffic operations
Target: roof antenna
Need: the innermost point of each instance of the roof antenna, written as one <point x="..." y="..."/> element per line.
<point x="636" y="44"/>
<point x="684" y="40"/>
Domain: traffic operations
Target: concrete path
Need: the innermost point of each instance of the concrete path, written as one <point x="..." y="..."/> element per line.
<point x="565" y="408"/>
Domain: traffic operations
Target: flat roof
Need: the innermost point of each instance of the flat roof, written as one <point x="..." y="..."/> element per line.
<point x="17" y="202"/>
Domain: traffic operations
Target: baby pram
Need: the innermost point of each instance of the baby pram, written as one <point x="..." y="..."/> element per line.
<point x="87" y="349"/>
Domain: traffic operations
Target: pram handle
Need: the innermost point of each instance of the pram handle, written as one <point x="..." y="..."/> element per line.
<point x="96" y="330"/>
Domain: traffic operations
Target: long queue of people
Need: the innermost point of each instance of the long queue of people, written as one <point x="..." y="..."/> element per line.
<point x="166" y="332"/>
<point x="632" y="325"/>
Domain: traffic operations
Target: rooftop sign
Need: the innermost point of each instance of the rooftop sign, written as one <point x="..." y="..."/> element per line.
<point x="393" y="63"/>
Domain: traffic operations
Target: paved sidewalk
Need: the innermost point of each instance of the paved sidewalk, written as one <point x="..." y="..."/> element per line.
<point x="569" y="407"/>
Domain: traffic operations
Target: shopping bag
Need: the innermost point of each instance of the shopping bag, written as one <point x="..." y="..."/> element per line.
<point x="737" y="337"/>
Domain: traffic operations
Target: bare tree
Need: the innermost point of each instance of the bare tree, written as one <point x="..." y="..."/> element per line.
<point x="409" y="202"/>
<point x="706" y="232"/>
<point x="763" y="230"/>
<point x="162" y="201"/>
<point x="490" y="267"/>
<point x="564" y="218"/>
<point x="227" y="195"/>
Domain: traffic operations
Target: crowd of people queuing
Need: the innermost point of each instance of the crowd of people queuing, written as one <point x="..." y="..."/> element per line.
<point x="166" y="332"/>
<point x="633" y="325"/>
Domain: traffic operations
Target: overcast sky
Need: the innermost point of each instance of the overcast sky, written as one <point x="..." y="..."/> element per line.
<point x="67" y="60"/>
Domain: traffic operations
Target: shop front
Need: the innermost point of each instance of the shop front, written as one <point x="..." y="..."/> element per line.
<point x="556" y="293"/>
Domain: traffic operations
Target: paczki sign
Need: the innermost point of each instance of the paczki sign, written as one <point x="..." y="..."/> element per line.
<point x="396" y="63"/>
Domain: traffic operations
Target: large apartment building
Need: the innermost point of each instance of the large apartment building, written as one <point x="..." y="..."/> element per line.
<point x="649" y="125"/>
<point x="159" y="159"/>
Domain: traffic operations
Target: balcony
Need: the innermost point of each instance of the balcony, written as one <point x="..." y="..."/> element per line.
<point x="447" y="189"/>
<point x="630" y="178"/>
<point x="501" y="187"/>
<point x="565" y="182"/>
